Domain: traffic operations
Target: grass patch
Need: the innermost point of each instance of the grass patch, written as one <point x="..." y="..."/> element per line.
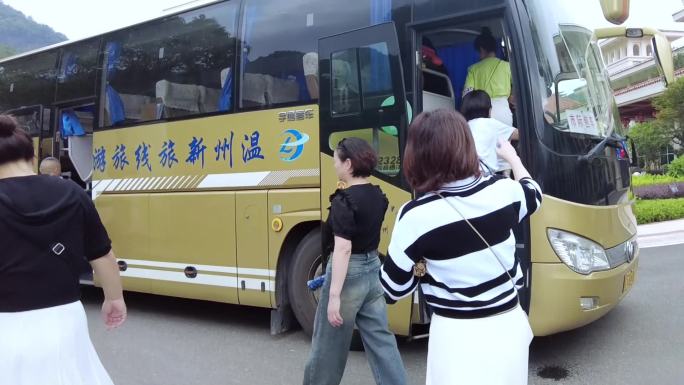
<point x="649" y="180"/>
<point x="658" y="210"/>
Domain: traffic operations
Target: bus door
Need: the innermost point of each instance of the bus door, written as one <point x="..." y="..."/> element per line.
<point x="74" y="136"/>
<point x="362" y="95"/>
<point x="35" y="120"/>
<point x="445" y="52"/>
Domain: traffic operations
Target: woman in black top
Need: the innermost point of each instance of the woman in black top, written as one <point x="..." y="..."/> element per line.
<point x="352" y="292"/>
<point x="47" y="226"/>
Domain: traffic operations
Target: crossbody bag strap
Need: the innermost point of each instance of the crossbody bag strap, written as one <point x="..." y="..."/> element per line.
<point x="483" y="240"/>
<point x="489" y="80"/>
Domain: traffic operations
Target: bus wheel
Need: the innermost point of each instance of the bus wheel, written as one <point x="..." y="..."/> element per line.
<point x="306" y="265"/>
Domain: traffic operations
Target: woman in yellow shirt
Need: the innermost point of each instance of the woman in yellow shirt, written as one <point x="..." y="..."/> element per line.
<point x="491" y="75"/>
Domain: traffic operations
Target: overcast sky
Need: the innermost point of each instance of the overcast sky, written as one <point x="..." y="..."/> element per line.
<point x="82" y="18"/>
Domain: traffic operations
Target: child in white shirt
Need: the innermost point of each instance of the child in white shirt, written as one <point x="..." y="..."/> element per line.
<point x="477" y="109"/>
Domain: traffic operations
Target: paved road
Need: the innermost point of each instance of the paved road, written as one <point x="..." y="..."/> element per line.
<point x="177" y="342"/>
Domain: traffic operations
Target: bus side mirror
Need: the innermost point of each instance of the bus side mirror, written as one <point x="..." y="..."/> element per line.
<point x="661" y="46"/>
<point x="663" y="54"/>
<point x="615" y="11"/>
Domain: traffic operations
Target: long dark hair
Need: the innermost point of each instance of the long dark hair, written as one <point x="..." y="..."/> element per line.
<point x="15" y="143"/>
<point x="440" y="149"/>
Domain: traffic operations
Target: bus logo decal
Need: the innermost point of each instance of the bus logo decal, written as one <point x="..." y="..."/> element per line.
<point x="293" y="146"/>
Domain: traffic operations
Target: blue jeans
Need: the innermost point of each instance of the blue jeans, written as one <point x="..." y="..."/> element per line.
<point x="362" y="302"/>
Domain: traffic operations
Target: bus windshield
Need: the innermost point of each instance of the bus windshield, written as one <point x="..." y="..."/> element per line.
<point x="577" y="95"/>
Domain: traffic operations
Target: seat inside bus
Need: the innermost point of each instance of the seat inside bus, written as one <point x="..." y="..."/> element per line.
<point x="310" y="64"/>
<point x="177" y="99"/>
<point x="135" y="107"/>
<point x="264" y="89"/>
<point x="437" y="90"/>
<point x="209" y="98"/>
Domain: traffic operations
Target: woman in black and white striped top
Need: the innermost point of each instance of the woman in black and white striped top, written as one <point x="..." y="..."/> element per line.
<point x="479" y="334"/>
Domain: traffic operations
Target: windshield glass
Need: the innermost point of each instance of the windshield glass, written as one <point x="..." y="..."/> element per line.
<point x="28" y="120"/>
<point x="578" y="98"/>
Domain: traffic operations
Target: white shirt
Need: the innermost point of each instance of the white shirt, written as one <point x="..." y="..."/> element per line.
<point x="486" y="132"/>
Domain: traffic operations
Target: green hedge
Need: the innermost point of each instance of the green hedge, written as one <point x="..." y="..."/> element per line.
<point x="648" y="180"/>
<point x="676" y="168"/>
<point x="658" y="210"/>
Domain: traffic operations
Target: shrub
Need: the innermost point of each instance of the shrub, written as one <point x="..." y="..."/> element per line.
<point x="676" y="168"/>
<point x="650" y="179"/>
<point x="649" y="138"/>
<point x="658" y="210"/>
<point x="660" y="191"/>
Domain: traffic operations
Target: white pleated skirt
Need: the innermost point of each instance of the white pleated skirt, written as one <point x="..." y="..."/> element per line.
<point x="487" y="351"/>
<point x="49" y="346"/>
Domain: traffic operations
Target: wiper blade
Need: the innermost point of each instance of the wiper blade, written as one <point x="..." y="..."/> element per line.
<point x="611" y="140"/>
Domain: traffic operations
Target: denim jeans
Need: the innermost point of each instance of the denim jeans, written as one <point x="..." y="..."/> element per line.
<point x="362" y="302"/>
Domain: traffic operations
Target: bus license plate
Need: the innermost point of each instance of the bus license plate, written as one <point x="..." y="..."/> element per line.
<point x="629" y="280"/>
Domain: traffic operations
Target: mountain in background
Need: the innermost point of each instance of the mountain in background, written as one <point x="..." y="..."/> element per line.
<point x="19" y="33"/>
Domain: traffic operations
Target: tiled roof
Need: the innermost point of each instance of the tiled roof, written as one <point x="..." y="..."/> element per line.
<point x="648" y="82"/>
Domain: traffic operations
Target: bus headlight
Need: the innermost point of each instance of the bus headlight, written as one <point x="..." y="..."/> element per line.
<point x="580" y="254"/>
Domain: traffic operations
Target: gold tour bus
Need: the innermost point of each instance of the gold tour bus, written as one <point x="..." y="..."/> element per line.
<point x="206" y="137"/>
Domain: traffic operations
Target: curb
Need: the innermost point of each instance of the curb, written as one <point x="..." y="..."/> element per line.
<point x="659" y="234"/>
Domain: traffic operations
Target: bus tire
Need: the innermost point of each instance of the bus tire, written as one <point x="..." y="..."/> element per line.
<point x="306" y="261"/>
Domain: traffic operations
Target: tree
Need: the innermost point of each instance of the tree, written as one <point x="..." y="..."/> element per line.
<point x="670" y="111"/>
<point x="679" y="60"/>
<point x="6" y="51"/>
<point x="23" y="33"/>
<point x="649" y="139"/>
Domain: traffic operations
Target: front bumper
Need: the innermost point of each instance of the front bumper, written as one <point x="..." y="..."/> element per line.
<point x="556" y="292"/>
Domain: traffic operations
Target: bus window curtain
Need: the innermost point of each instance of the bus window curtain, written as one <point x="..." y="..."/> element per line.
<point x="301" y="82"/>
<point x="381" y="12"/>
<point x="226" y="99"/>
<point x="115" y="106"/>
<point x="117" y="113"/>
<point x="250" y="15"/>
<point x="70" y="125"/>
<point x="69" y="67"/>
<point x="457" y="58"/>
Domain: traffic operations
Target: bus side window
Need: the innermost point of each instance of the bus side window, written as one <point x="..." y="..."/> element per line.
<point x="174" y="67"/>
<point x="345" y="83"/>
<point x="28" y="81"/>
<point x="279" y="45"/>
<point x="351" y="94"/>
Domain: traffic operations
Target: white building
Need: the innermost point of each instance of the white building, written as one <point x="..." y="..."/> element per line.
<point x="621" y="54"/>
<point x="634" y="75"/>
<point x="679" y="16"/>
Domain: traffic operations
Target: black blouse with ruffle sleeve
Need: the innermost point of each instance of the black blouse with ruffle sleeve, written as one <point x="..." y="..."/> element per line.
<point x="356" y="214"/>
